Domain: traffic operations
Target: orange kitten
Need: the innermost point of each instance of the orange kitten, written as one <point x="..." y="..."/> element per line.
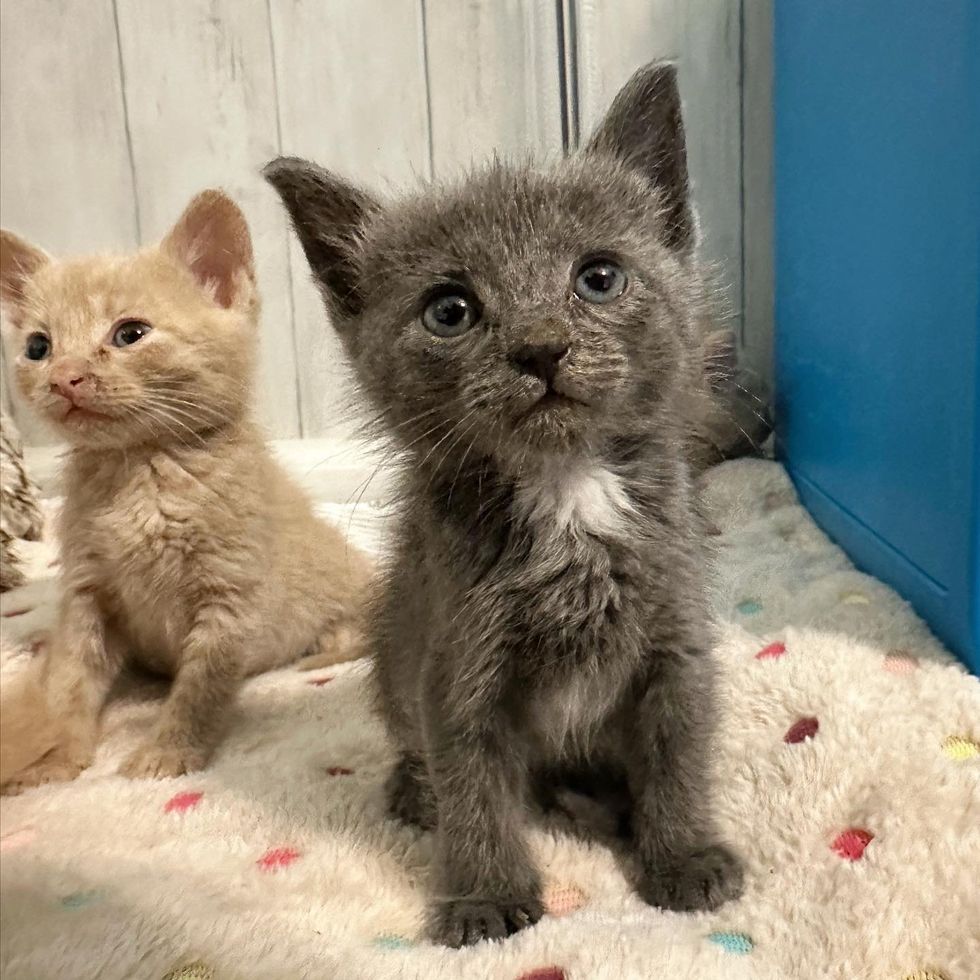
<point x="183" y="543"/>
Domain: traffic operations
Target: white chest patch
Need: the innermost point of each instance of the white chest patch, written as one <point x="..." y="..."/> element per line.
<point x="575" y="496"/>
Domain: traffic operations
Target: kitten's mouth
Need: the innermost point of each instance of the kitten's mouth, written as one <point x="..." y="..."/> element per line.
<point x="554" y="399"/>
<point x="77" y="413"/>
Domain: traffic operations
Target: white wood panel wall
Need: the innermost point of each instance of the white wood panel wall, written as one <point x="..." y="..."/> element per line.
<point x="114" y="112"/>
<point x="494" y="79"/>
<point x="373" y="130"/>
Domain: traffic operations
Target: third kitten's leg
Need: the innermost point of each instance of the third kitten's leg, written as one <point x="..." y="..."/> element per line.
<point x="487" y="881"/>
<point x="682" y="866"/>
<point x="83" y="662"/>
<point x="193" y="716"/>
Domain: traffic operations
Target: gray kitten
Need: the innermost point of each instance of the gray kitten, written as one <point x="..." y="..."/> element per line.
<point x="534" y="342"/>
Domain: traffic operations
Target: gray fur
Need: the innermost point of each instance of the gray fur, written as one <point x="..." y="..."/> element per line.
<point x="543" y="621"/>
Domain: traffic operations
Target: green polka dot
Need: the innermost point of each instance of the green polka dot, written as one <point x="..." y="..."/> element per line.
<point x="749" y="607"/>
<point x="732" y="942"/>
<point x="390" y="941"/>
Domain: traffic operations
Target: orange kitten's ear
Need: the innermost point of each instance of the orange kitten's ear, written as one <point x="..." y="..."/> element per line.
<point x="211" y="238"/>
<point x="18" y="262"/>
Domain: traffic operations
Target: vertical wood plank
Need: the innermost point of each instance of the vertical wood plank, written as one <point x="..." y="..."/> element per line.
<point x="352" y="97"/>
<point x="615" y="37"/>
<point x="65" y="176"/>
<point x="757" y="195"/>
<point x="493" y="73"/>
<point x="200" y="90"/>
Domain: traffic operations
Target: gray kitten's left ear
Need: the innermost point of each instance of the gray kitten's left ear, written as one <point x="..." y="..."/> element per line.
<point x="328" y="215"/>
<point x="644" y="129"/>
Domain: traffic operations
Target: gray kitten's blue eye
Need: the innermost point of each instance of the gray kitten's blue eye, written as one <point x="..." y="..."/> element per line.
<point x="127" y="332"/>
<point x="600" y="281"/>
<point x="450" y="314"/>
<point x="37" y="347"/>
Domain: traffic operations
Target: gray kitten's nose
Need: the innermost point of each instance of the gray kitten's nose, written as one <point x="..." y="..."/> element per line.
<point x="541" y="359"/>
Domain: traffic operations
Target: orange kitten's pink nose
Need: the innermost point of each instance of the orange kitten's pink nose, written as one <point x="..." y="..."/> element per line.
<point x="69" y="380"/>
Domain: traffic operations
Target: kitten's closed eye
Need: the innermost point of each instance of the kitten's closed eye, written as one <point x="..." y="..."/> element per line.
<point x="38" y="347"/>
<point x="128" y="332"/>
<point x="600" y="281"/>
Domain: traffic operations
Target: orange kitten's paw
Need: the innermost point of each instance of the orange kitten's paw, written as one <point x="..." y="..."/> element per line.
<point x="55" y="767"/>
<point x="155" y="761"/>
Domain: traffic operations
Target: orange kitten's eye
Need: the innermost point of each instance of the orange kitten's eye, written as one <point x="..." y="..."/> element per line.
<point x="37" y="347"/>
<point x="127" y="332"/>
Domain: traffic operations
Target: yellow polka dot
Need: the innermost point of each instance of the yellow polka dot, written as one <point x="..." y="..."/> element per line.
<point x="191" y="971"/>
<point x="925" y="975"/>
<point x="854" y="599"/>
<point x="959" y="749"/>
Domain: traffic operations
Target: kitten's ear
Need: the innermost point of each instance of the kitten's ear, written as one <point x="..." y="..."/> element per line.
<point x="211" y="238"/>
<point x="644" y="129"/>
<point x="328" y="215"/>
<point x="19" y="260"/>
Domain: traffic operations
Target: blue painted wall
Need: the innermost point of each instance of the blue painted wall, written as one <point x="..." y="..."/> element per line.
<point x="877" y="163"/>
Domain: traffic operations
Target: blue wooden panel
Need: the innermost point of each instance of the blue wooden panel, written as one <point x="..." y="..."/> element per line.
<point x="877" y="163"/>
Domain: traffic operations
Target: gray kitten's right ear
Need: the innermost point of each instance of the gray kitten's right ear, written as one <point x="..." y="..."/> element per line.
<point x="644" y="129"/>
<point x="328" y="215"/>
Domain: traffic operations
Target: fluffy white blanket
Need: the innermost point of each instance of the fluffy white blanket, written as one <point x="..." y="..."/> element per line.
<point x="847" y="776"/>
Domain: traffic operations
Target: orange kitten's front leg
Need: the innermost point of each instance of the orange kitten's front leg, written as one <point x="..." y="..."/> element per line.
<point x="82" y="665"/>
<point x="192" y="720"/>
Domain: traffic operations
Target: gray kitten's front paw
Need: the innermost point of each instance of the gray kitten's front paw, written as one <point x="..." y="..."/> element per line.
<point x="699" y="881"/>
<point x="464" y="921"/>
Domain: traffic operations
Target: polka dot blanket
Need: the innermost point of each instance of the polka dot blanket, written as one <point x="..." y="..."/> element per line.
<point x="847" y="768"/>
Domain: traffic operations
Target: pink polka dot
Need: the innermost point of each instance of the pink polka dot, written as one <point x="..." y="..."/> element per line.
<point x="545" y="973"/>
<point x="10" y="613"/>
<point x="900" y="662"/>
<point x="771" y="652"/>
<point x="320" y="681"/>
<point x="850" y="844"/>
<point x="182" y="802"/>
<point x="20" y="837"/>
<point x="278" y="857"/>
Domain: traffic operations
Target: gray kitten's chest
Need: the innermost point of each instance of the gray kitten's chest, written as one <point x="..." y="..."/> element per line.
<point x="578" y="605"/>
<point x="571" y="577"/>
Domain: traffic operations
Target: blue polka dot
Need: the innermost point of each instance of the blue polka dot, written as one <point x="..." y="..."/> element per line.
<point x="749" y="607"/>
<point x="732" y="942"/>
